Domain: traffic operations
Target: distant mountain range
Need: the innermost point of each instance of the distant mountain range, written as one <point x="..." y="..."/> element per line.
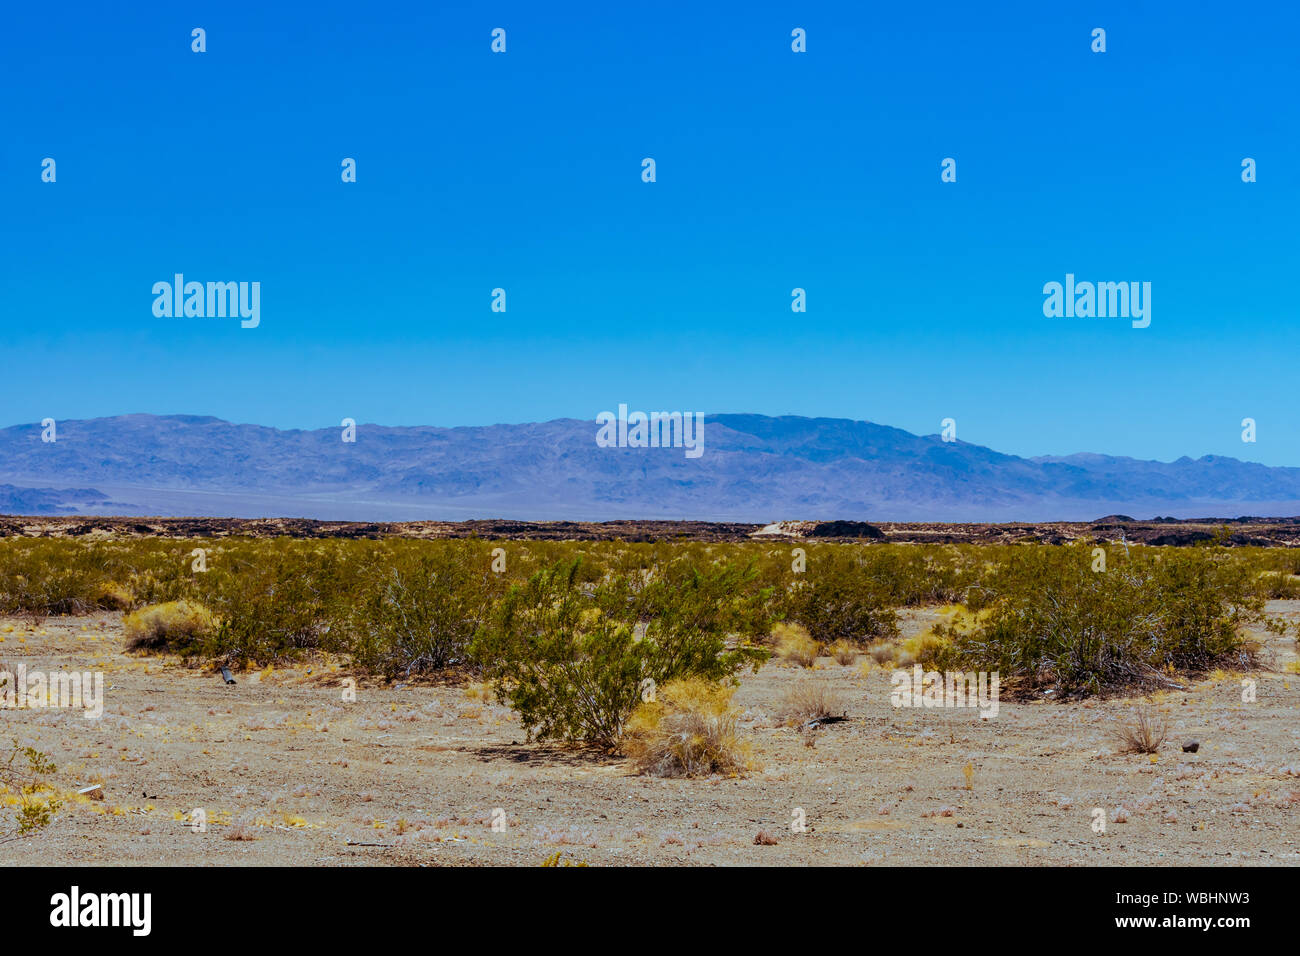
<point x="48" y="501"/>
<point x="753" y="468"/>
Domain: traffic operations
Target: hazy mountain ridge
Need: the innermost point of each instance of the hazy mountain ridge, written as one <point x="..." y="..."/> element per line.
<point x="48" y="501"/>
<point x="754" y="467"/>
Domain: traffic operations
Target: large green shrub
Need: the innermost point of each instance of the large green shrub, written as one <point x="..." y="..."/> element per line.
<point x="1053" y="620"/>
<point x="277" y="605"/>
<point x="843" y="597"/>
<point x="418" y="611"/>
<point x="574" y="660"/>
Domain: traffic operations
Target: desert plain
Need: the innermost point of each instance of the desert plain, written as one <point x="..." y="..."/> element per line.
<point x="286" y="771"/>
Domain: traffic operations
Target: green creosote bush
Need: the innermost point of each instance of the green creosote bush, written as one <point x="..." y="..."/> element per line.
<point x="402" y="606"/>
<point x="574" y="660"/>
<point x="842" y="599"/>
<point x="41" y="577"/>
<point x="1053" y="621"/>
<point x="23" y="771"/>
<point x="418" y="611"/>
<point x="281" y="604"/>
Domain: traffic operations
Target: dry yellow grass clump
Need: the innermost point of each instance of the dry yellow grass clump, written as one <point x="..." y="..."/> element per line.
<point x="844" y="652"/>
<point x="167" y="626"/>
<point x="810" y="700"/>
<point x="922" y="649"/>
<point x="689" y="730"/>
<point x="884" y="653"/>
<point x="794" y="644"/>
<point x="112" y="596"/>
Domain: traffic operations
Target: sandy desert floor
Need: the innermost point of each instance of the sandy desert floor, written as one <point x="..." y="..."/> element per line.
<point x="303" y="777"/>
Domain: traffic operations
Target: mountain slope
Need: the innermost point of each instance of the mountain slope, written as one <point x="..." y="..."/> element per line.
<point x="753" y="468"/>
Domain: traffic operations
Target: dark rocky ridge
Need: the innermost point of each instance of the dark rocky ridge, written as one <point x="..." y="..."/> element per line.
<point x="1275" y="532"/>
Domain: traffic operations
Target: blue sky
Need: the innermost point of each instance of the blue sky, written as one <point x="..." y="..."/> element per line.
<point x="775" y="170"/>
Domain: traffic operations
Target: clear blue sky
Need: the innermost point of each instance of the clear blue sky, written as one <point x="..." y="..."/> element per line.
<point x="775" y="170"/>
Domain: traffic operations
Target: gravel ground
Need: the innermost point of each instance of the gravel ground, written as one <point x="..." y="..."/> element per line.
<point x="289" y="773"/>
